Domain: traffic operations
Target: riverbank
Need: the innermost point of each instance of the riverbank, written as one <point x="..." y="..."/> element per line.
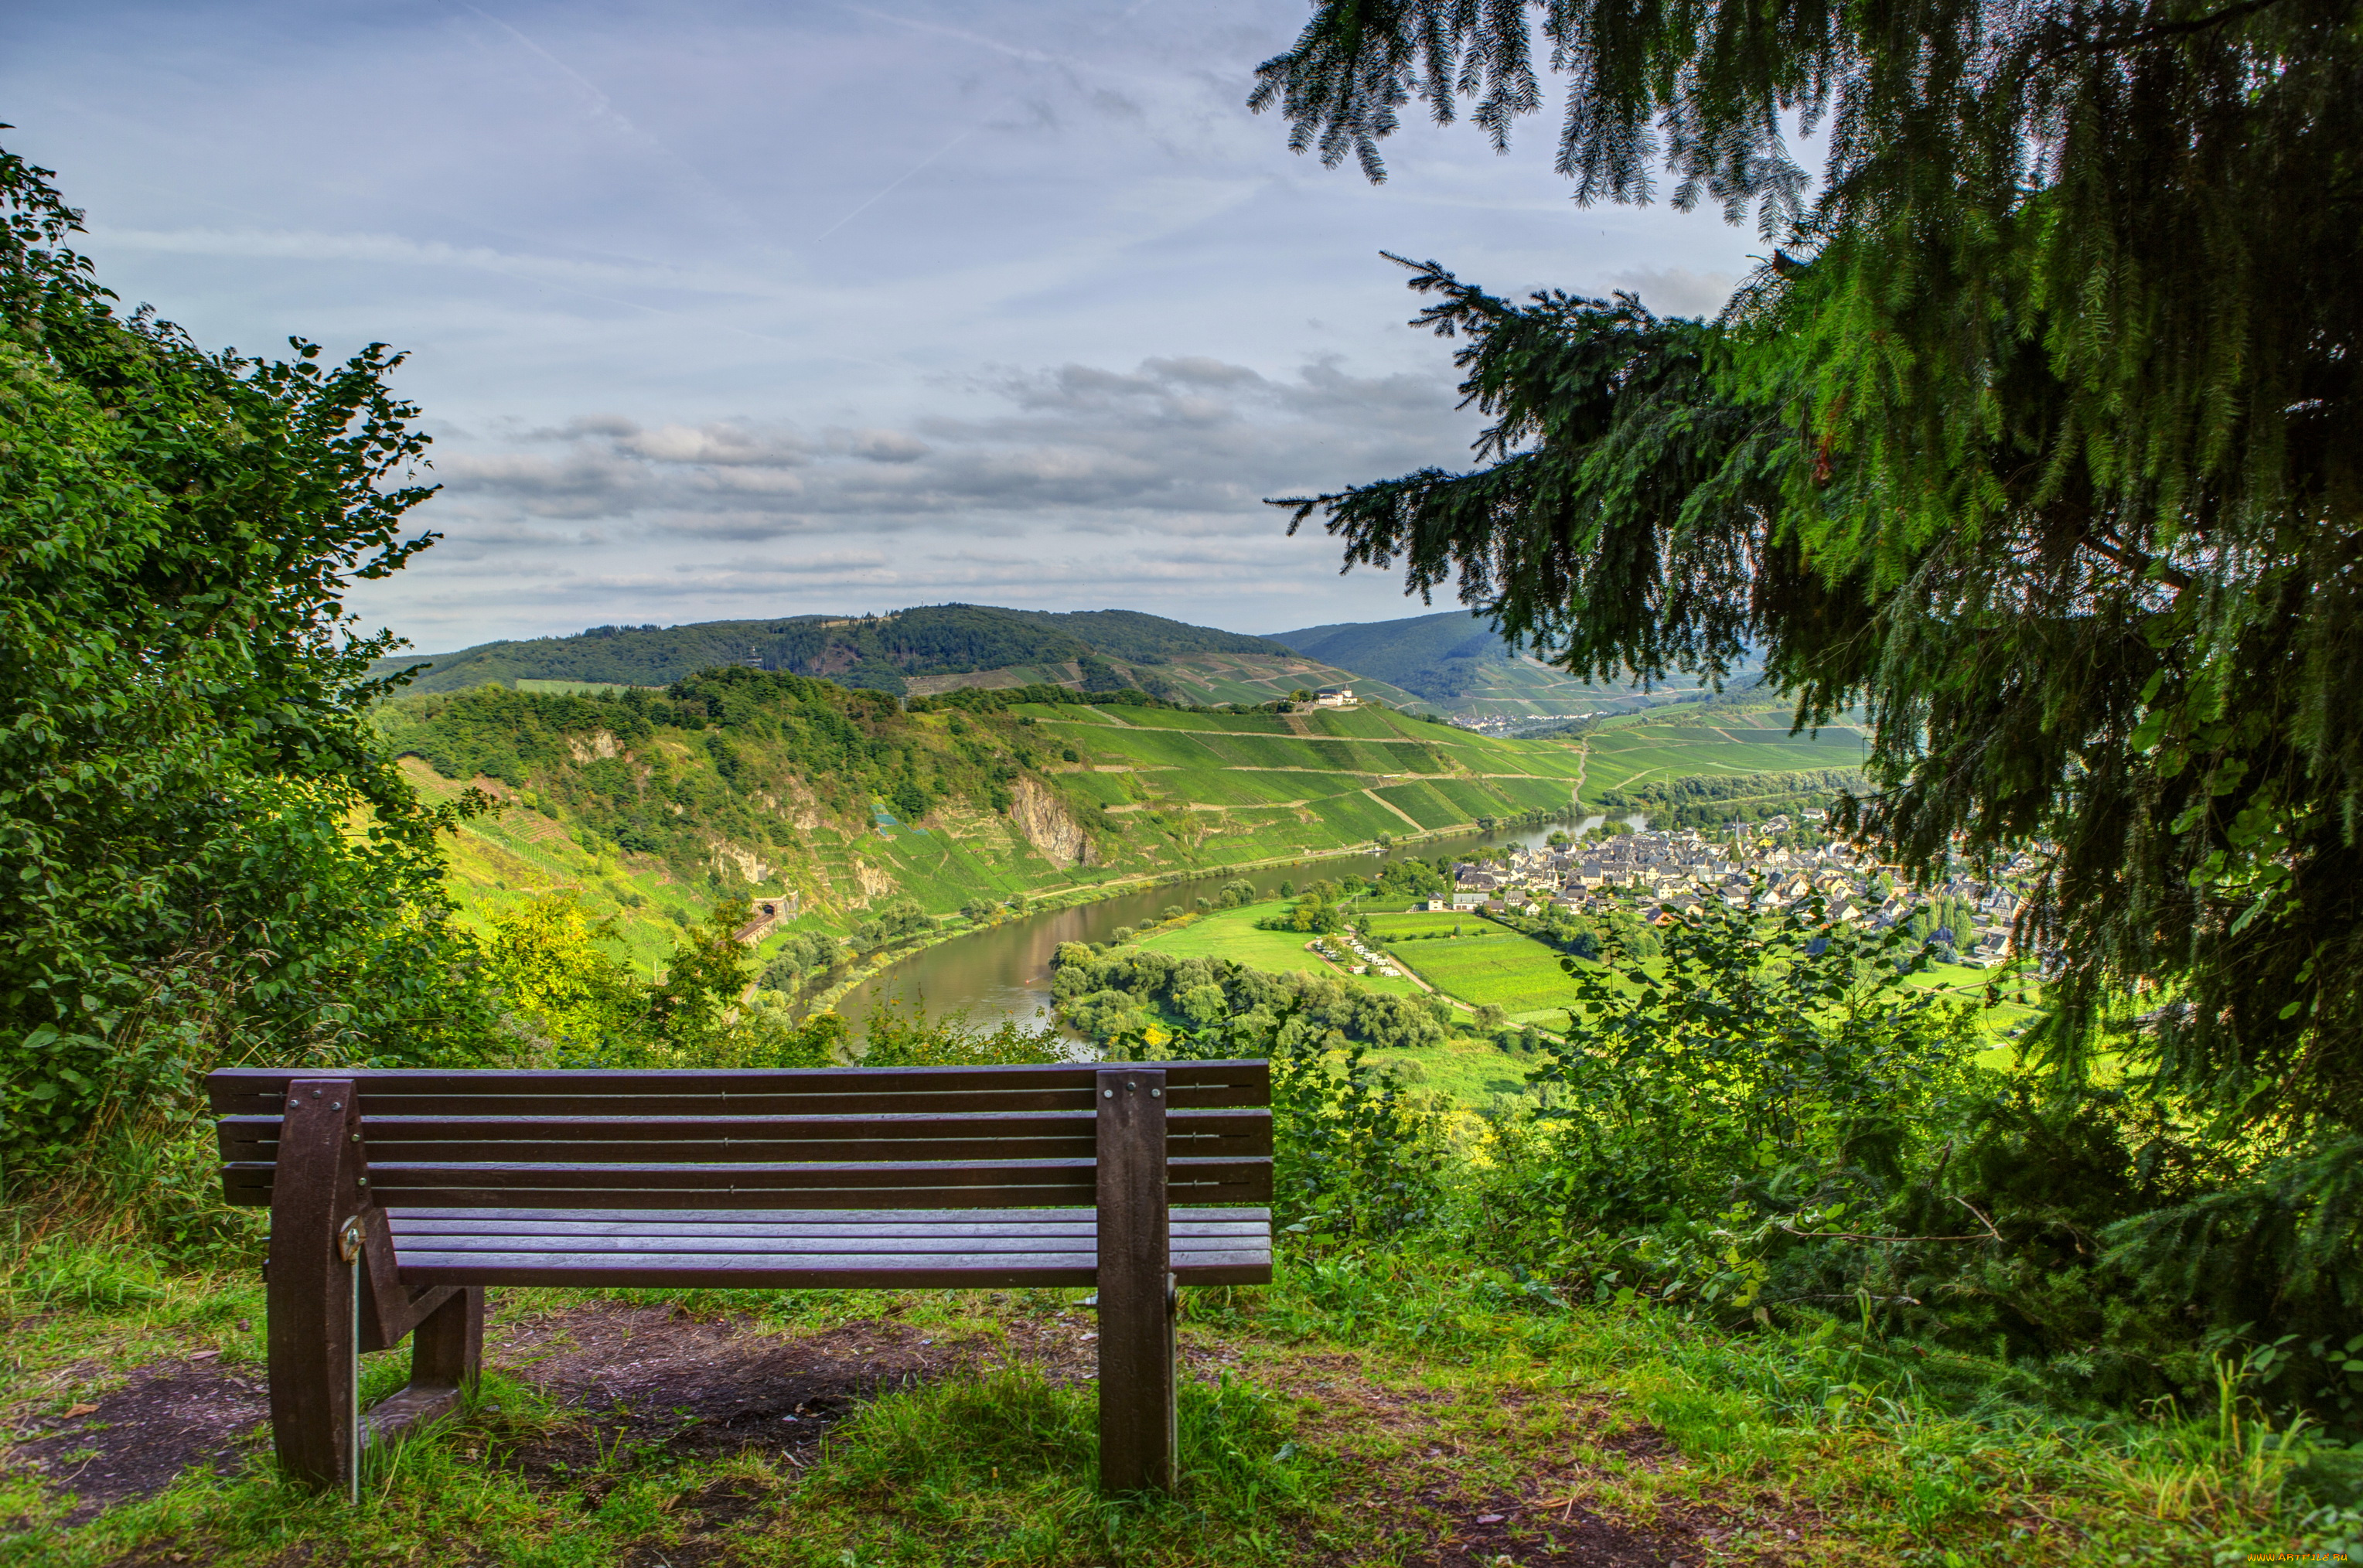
<point x="999" y="972"/>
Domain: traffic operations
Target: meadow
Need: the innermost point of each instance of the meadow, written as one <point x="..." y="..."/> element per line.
<point x="1690" y="740"/>
<point x="1231" y="934"/>
<point x="1485" y="965"/>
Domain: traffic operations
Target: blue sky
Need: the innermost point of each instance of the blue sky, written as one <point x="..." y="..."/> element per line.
<point x="722" y="310"/>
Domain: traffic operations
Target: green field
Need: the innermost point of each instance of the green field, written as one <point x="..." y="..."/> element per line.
<point x="572" y="688"/>
<point x="1471" y="1071"/>
<point x="1231" y="934"/>
<point x="1485" y="965"/>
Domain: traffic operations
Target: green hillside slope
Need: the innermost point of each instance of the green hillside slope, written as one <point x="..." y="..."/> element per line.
<point x="659" y="804"/>
<point x="656" y="804"/>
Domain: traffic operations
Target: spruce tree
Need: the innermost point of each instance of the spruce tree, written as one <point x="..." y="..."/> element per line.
<point x="2038" y="437"/>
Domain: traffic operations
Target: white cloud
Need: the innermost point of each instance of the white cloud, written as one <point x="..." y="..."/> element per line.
<point x="745" y="309"/>
<point x="1678" y="291"/>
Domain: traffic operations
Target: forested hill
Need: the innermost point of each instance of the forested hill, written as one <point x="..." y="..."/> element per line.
<point x="1416" y="652"/>
<point x="1097" y="650"/>
<point x="1457" y="663"/>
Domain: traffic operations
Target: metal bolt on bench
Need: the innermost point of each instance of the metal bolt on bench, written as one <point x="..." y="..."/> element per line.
<point x="396" y="1197"/>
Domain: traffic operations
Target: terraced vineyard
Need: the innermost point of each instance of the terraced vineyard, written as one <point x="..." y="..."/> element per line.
<point x="1713" y="738"/>
<point x="1244" y="784"/>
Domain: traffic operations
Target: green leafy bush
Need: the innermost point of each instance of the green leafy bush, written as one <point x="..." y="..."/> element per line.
<point x="210" y="857"/>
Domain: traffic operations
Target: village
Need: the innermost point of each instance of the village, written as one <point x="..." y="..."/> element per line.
<point x="1660" y="876"/>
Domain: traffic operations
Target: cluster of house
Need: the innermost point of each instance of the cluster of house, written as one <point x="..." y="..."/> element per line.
<point x="1661" y="877"/>
<point x="1350" y="952"/>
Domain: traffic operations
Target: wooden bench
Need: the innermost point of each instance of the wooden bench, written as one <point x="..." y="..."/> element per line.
<point x="396" y="1197"/>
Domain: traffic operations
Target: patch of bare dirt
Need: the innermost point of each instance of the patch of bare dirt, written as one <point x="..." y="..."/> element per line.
<point x="650" y="1385"/>
<point x="134" y="1440"/>
<point x="653" y="1385"/>
<point x="1484" y="1535"/>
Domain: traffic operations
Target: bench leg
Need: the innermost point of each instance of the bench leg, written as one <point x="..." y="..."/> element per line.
<point x="1138" y="1439"/>
<point x="1135" y="1284"/>
<point x="447" y="1355"/>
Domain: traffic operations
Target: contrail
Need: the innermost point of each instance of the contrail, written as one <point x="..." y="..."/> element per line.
<point x="922" y="164"/>
<point x="602" y="106"/>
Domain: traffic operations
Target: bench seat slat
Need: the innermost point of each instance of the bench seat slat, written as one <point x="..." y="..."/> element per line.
<point x="811" y="1274"/>
<point x="1250" y="1074"/>
<point x="649" y="1186"/>
<point x="804" y="1217"/>
<point x="558" y="1148"/>
<point x="446" y="1227"/>
<point x="384" y="1101"/>
<point x="785" y="1245"/>
<point x="913" y="1248"/>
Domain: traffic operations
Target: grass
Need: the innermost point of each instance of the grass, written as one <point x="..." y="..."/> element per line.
<point x="1362" y="1410"/>
<point x="1488" y="965"/>
<point x="1231" y="934"/>
<point x="1471" y="1071"/>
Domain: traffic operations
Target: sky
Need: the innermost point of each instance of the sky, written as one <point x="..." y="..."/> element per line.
<point x="735" y="311"/>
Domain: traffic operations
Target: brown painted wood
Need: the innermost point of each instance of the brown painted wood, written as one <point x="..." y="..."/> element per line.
<point x="946" y="1102"/>
<point x="451" y="1224"/>
<point x="401" y="1216"/>
<point x="381" y="1128"/>
<point x="388" y="1309"/>
<point x="677" y="1271"/>
<point x="308" y="1286"/>
<point x="833" y="1184"/>
<point x="415" y="1140"/>
<point x="789" y="1248"/>
<point x="755" y="1092"/>
<point x="1251" y="1075"/>
<point x="900" y="1177"/>
<point x="673" y="1274"/>
<point x="1135" y="1276"/>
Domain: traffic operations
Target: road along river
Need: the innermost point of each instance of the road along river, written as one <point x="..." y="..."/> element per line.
<point x="1003" y="973"/>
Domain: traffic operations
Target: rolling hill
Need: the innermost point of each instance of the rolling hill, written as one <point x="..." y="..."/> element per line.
<point x="654" y="806"/>
<point x="1455" y="662"/>
<point x="919" y="651"/>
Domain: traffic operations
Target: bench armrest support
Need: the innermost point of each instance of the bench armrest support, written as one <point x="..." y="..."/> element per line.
<point x="1136" y="1284"/>
<point x="310" y="1300"/>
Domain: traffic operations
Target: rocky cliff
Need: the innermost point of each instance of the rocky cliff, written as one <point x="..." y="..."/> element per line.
<point x="1048" y="826"/>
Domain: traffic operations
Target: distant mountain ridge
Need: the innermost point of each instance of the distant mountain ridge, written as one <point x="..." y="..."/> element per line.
<point x="1456" y="662"/>
<point x="1107" y="649"/>
<point x="1417" y="654"/>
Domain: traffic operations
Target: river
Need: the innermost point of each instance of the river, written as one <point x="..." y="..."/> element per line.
<point x="1003" y="973"/>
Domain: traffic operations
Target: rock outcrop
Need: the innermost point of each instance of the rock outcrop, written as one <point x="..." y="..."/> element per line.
<point x="728" y="857"/>
<point x="1056" y="835"/>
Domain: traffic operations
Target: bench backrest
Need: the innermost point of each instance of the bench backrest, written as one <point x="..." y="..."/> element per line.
<point x="832" y="1138"/>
